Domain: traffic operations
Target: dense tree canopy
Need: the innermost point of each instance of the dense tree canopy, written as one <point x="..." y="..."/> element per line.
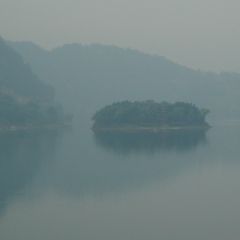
<point x="149" y="113"/>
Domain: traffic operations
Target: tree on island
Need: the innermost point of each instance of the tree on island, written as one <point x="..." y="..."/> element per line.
<point x="149" y="114"/>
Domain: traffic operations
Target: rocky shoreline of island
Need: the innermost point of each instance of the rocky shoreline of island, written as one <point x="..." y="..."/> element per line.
<point x="150" y="128"/>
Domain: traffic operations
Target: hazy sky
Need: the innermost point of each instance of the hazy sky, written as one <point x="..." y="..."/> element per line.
<point x="202" y="34"/>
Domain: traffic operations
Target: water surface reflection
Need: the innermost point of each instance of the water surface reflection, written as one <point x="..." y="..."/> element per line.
<point x="148" y="141"/>
<point x="21" y="155"/>
<point x="120" y="186"/>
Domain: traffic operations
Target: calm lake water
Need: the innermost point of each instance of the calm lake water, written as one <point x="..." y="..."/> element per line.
<point x="76" y="184"/>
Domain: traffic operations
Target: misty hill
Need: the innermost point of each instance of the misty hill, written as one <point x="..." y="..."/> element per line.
<point x="18" y="78"/>
<point x="88" y="77"/>
<point x="24" y="99"/>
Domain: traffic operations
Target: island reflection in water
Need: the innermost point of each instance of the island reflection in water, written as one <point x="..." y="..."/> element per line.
<point x="125" y="142"/>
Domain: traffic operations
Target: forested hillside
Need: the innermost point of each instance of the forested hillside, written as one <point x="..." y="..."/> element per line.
<point x="88" y="77"/>
<point x="24" y="99"/>
<point x="18" y="78"/>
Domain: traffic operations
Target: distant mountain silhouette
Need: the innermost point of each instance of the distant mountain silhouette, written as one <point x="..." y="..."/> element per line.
<point x="24" y="99"/>
<point x="18" y="78"/>
<point x="89" y="77"/>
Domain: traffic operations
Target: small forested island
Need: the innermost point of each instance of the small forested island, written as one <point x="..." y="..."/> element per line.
<point x="149" y="115"/>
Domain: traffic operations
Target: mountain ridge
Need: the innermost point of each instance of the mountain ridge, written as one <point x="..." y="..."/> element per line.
<point x="25" y="100"/>
<point x="87" y="77"/>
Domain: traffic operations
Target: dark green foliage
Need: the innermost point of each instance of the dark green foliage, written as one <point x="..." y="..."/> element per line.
<point x="149" y="113"/>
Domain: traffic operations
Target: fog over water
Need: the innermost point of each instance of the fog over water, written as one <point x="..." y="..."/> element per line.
<point x="75" y="183"/>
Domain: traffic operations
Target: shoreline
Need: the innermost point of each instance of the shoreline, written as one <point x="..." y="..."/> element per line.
<point x="14" y="128"/>
<point x="150" y="128"/>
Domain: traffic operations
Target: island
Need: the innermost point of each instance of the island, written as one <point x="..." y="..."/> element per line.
<point x="149" y="115"/>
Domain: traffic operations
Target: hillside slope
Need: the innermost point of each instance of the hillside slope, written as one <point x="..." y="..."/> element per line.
<point x="88" y="77"/>
<point x="24" y="99"/>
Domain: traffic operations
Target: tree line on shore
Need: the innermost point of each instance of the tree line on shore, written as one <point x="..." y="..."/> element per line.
<point x="149" y="113"/>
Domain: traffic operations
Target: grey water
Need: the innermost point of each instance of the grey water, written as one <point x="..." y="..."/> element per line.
<point x="78" y="184"/>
